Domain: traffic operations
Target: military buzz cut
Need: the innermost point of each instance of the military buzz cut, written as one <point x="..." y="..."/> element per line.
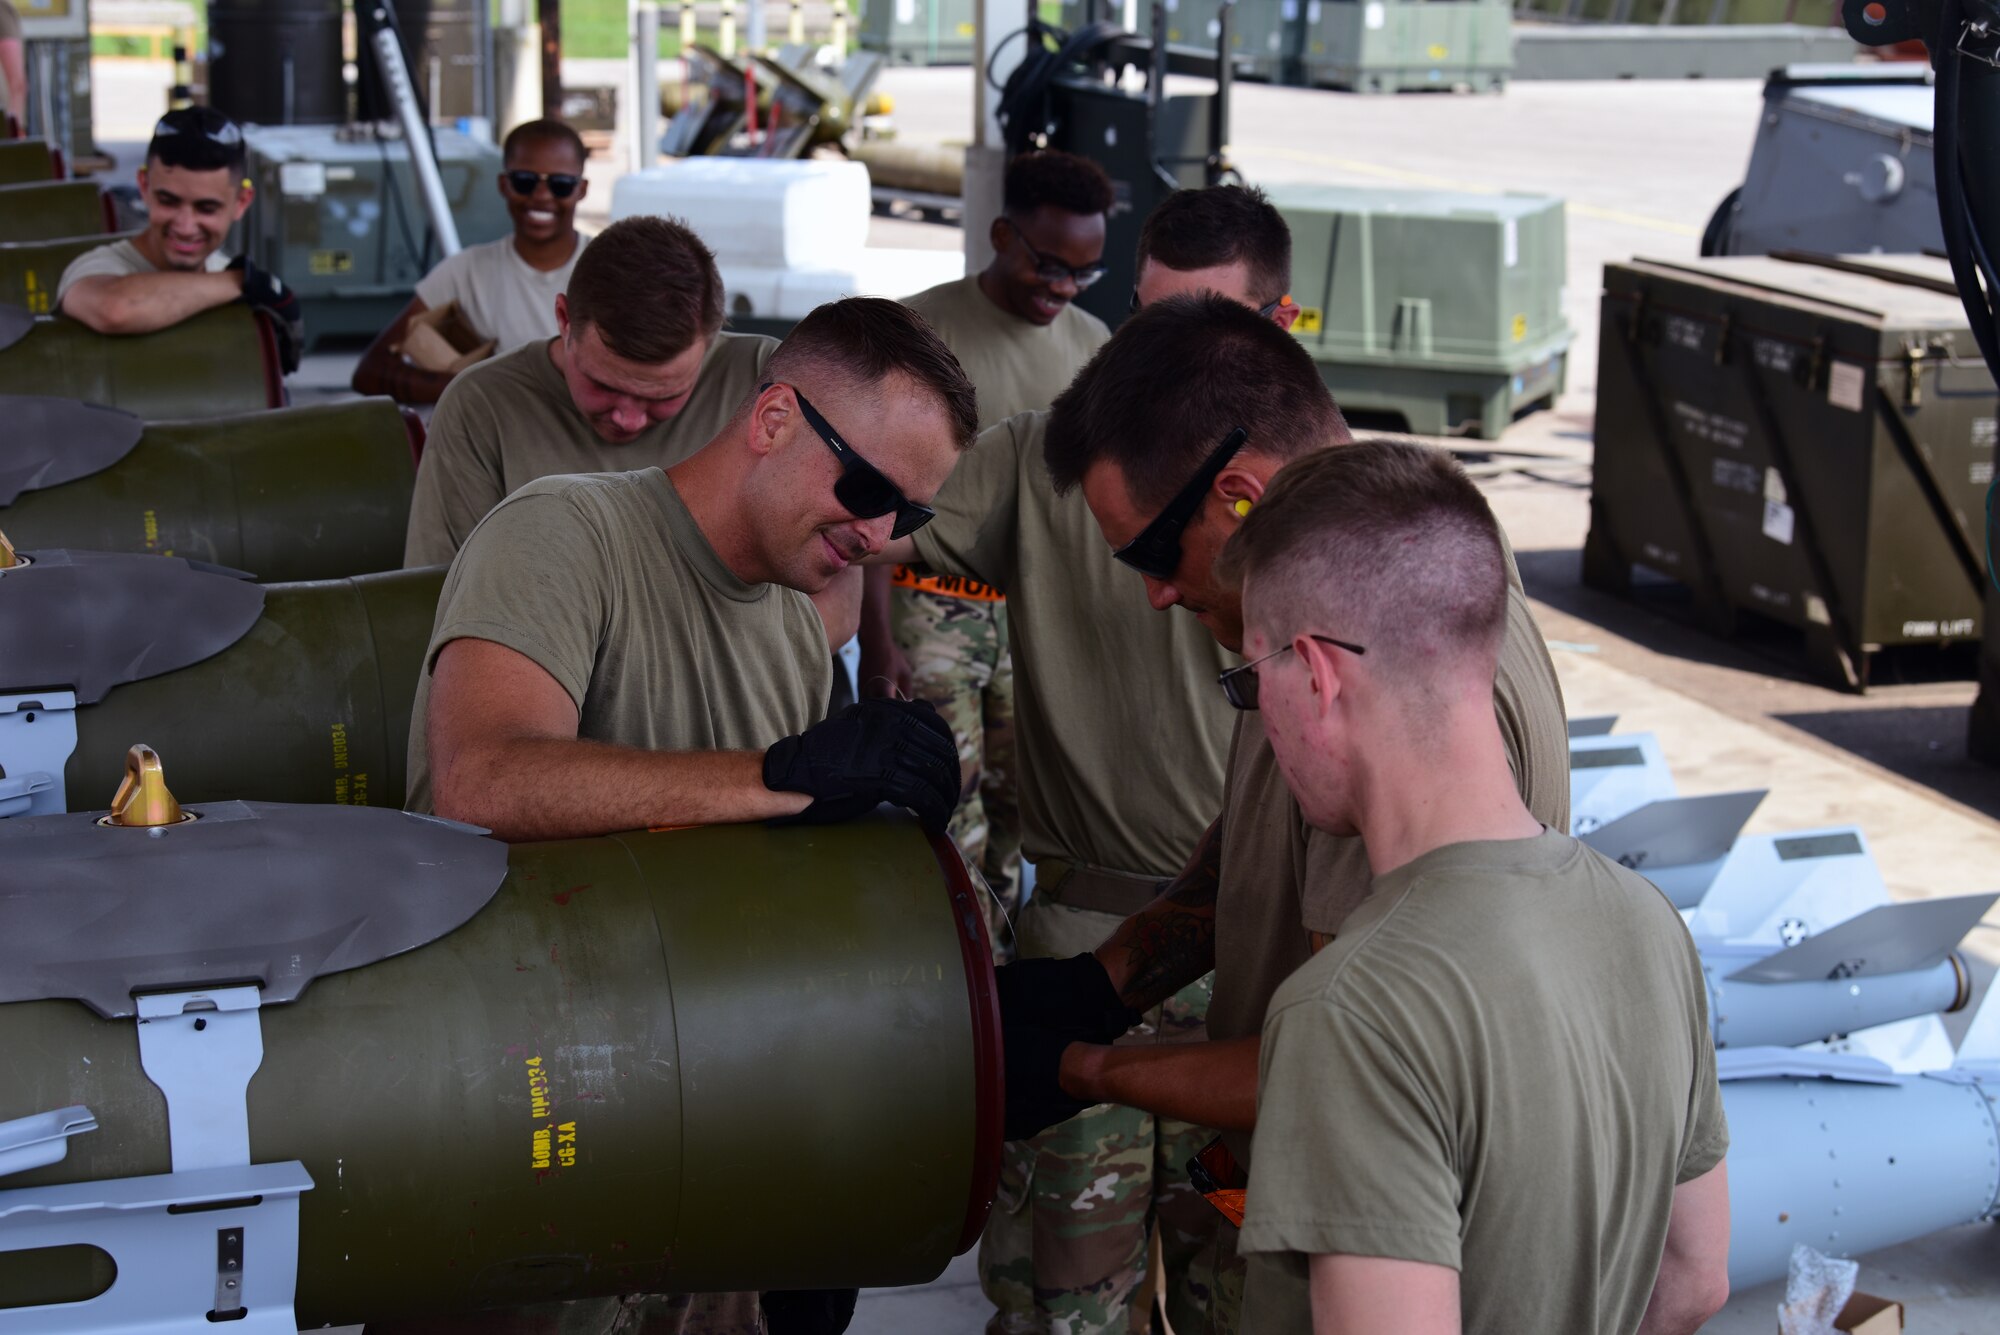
<point x="1225" y="224"/>
<point x="543" y="132"/>
<point x="860" y="340"/>
<point x="1390" y="542"/>
<point x="1054" y="179"/>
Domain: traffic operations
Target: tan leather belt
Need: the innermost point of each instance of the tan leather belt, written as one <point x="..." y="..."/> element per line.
<point x="951" y="586"/>
<point x="1090" y="888"/>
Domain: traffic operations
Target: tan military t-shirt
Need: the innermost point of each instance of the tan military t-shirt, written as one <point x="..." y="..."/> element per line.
<point x="501" y="295"/>
<point x="120" y="259"/>
<point x="608" y="584"/>
<point x="1016" y="365"/>
<point x="506" y="422"/>
<point x="1503" y="1066"/>
<point x="1282" y="880"/>
<point x="1120" y="729"/>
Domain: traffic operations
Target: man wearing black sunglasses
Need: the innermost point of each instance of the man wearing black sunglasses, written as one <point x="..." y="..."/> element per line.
<point x="505" y="291"/>
<point x="620" y="650"/>
<point x="1172" y="434"/>
<point x="194" y="191"/>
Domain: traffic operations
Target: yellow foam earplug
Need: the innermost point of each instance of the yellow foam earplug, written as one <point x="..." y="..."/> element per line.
<point x="1242" y="507"/>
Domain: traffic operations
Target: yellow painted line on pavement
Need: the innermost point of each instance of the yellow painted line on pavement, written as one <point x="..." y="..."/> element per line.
<point x="1398" y="174"/>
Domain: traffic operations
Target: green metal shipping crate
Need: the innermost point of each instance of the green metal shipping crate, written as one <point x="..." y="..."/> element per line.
<point x="341" y="218"/>
<point x="919" y="32"/>
<point x="1389" y="46"/>
<point x="1443" y="308"/>
<point x="1810" y="441"/>
<point x="1264" y="36"/>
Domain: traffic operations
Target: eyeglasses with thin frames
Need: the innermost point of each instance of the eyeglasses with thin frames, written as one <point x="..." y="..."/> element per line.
<point x="1239" y="684"/>
<point x="1052" y="270"/>
<point x="861" y="489"/>
<point x="1157" y="549"/>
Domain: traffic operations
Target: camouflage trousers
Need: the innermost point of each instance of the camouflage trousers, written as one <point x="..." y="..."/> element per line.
<point x="957" y="649"/>
<point x="640" y="1314"/>
<point x="1066" y="1247"/>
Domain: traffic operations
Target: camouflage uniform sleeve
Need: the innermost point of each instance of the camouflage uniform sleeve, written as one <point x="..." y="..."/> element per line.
<point x="458" y="481"/>
<point x="977" y="525"/>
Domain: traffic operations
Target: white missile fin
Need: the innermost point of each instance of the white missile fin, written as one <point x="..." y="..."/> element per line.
<point x="1894" y="938"/>
<point x="1793" y="1064"/>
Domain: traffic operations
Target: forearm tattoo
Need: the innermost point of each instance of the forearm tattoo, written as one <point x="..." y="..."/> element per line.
<point x="1172" y="942"/>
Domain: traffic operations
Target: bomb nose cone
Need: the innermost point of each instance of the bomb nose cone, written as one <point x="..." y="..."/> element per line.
<point x="142" y="799"/>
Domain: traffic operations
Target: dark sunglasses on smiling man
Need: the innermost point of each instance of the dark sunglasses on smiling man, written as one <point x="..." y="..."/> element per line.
<point x="861" y="490"/>
<point x="561" y="184"/>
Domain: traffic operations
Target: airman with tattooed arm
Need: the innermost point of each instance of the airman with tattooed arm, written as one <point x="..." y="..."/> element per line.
<point x="1173" y="433"/>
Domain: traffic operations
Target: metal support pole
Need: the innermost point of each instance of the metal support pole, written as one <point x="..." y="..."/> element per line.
<point x="725" y="39"/>
<point x="550" y="14"/>
<point x="645" y="118"/>
<point x="840" y="27"/>
<point x="687" y="29"/>
<point x="416" y="136"/>
<point x="986" y="158"/>
<point x="795" y="30"/>
<point x="756" y="32"/>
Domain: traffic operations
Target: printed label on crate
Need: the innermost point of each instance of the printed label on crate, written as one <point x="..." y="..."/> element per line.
<point x="302" y="180"/>
<point x="1774" y="487"/>
<point x="324" y="262"/>
<point x="1714" y="428"/>
<point x="1845" y="382"/>
<point x="1311" y="320"/>
<point x="1733" y="476"/>
<point x="1778" y="522"/>
<point x="1961" y="628"/>
<point x="1984" y="431"/>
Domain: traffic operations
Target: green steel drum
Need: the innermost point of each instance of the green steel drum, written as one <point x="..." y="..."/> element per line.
<point x="221" y="361"/>
<point x="30" y="270"/>
<point x="716" y="1059"/>
<point x="312" y="705"/>
<point x="321" y="492"/>
<point x="23" y="161"/>
<point x="40" y="210"/>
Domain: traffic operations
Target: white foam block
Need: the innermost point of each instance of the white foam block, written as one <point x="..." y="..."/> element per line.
<point x="759" y="213"/>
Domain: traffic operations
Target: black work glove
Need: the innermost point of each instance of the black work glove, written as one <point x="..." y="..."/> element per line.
<point x="1035" y="1097"/>
<point x="265" y="291"/>
<point x="808" y="1311"/>
<point x="1072" y="996"/>
<point x="872" y="752"/>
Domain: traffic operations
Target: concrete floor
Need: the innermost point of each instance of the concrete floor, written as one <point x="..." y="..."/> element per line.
<point x="1641" y="166"/>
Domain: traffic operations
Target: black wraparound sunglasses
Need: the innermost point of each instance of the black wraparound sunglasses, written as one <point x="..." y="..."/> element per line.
<point x="561" y="184"/>
<point x="861" y="489"/>
<point x="1157" y="549"/>
<point x="1239" y="684"/>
